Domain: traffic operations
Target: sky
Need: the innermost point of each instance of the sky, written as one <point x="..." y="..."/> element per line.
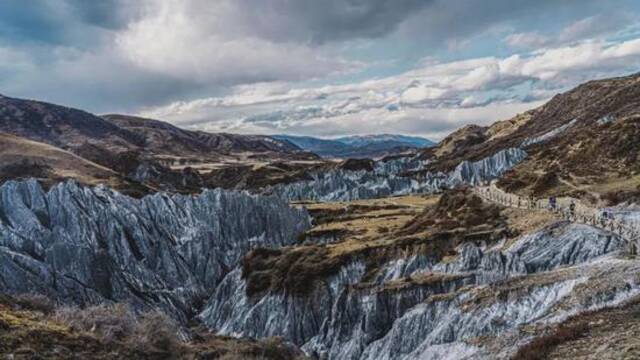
<point x="307" y="67"/>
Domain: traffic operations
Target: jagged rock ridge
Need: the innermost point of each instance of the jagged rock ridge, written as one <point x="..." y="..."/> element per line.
<point x="445" y="303"/>
<point x="393" y="178"/>
<point x="90" y="245"/>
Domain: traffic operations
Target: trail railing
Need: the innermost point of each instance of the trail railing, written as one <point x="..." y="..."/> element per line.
<point x="580" y="214"/>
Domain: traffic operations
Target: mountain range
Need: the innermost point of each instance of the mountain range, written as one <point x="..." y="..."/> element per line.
<point x="443" y="252"/>
<point x="358" y="146"/>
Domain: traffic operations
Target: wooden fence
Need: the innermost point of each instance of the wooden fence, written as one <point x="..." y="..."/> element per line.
<point x="580" y="214"/>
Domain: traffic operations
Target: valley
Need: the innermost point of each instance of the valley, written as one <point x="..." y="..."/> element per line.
<point x="253" y="247"/>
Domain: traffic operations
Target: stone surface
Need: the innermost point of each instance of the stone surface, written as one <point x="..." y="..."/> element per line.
<point x="90" y="245"/>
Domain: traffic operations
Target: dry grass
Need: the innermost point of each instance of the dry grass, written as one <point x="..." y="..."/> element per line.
<point x="613" y="333"/>
<point x="523" y="221"/>
<point x="59" y="165"/>
<point x="116" y="332"/>
<point x="35" y="302"/>
<point x="420" y="279"/>
<point x="505" y="128"/>
<point x="63" y="163"/>
<point x="366" y="220"/>
<point x="150" y="332"/>
<point x="374" y="231"/>
<point x="540" y="348"/>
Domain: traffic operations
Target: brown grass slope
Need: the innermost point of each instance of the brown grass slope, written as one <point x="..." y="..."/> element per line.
<point x="31" y="327"/>
<point x="62" y="126"/>
<point x="457" y="217"/>
<point x="162" y="138"/>
<point x="580" y="160"/>
<point x="21" y="158"/>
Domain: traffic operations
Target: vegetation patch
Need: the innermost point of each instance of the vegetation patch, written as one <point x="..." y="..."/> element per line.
<point x="540" y="348"/>
<point x="294" y="270"/>
<point x="613" y="198"/>
<point x="428" y="280"/>
<point x="457" y="209"/>
<point x="458" y="216"/>
<point x="24" y="169"/>
<point x="116" y="332"/>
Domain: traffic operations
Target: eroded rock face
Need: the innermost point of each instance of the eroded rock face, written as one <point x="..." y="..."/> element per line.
<point x="419" y="308"/>
<point x="89" y="245"/>
<point x="387" y="179"/>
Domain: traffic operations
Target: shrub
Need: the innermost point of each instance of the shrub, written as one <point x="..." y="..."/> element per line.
<point x="35" y="302"/>
<point x="383" y="229"/>
<point x="151" y="331"/>
<point x="541" y="347"/>
<point x="155" y="331"/>
<point x="107" y="322"/>
<point x="24" y="169"/>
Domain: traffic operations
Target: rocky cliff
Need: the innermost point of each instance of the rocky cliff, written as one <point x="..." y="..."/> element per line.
<point x="397" y="177"/>
<point x="420" y="308"/>
<point x="86" y="245"/>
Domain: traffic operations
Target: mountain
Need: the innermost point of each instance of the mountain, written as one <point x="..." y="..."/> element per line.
<point x="419" y="255"/>
<point x="161" y="138"/>
<point x="582" y="143"/>
<point x="63" y="127"/>
<point x="363" y="140"/>
<point x="322" y="147"/>
<point x="365" y="146"/>
<point x="72" y="129"/>
<point x="131" y="154"/>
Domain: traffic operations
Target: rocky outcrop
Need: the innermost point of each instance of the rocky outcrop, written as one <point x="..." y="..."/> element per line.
<point x="486" y="169"/>
<point x="91" y="245"/>
<point x="390" y="178"/>
<point x="548" y="135"/>
<point x="418" y="308"/>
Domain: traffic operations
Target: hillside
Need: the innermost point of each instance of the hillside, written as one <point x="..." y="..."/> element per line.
<point x="131" y="154"/>
<point x="62" y="126"/>
<point x="583" y="142"/>
<point x="69" y="128"/>
<point x="408" y="256"/>
<point x="32" y="327"/>
<point x="161" y="138"/>
<point x="21" y="158"/>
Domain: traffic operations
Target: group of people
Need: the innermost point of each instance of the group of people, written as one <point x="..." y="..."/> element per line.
<point x="605" y="217"/>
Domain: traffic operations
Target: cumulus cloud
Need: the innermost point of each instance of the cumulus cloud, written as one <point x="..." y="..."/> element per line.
<point x="422" y="97"/>
<point x="307" y="66"/>
<point x="591" y="27"/>
<point x="174" y="40"/>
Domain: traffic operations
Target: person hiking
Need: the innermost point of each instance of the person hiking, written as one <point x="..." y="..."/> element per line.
<point x="572" y="209"/>
<point x="531" y="202"/>
<point x="603" y="218"/>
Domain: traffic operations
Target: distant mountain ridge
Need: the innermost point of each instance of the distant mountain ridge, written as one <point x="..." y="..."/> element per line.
<point x="71" y="129"/>
<point x="134" y="155"/>
<point x="162" y="137"/>
<point x="358" y="146"/>
<point x="360" y="140"/>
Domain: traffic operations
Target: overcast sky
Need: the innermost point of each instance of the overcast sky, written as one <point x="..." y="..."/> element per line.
<point x="323" y="68"/>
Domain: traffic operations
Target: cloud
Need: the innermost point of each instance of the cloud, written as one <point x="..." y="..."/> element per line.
<point x="592" y="27"/>
<point x="174" y="40"/>
<point x="306" y="21"/>
<point x="268" y="65"/>
<point x="423" y="96"/>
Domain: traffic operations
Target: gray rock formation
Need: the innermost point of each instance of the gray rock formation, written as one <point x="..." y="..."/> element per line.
<point x="381" y="321"/>
<point x="91" y="245"/>
<point x="387" y="179"/>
